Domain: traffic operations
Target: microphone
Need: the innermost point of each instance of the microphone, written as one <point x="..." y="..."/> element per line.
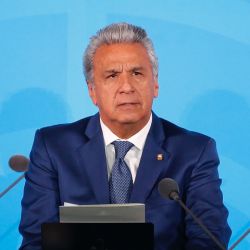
<point x="18" y="163"/>
<point x="168" y="188"/>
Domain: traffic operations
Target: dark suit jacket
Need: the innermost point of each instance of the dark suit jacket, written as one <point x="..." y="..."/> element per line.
<point x="68" y="164"/>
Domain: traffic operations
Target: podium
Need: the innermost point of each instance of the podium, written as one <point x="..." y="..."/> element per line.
<point x="97" y="236"/>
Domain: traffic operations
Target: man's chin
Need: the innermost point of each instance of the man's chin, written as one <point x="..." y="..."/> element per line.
<point x="130" y="118"/>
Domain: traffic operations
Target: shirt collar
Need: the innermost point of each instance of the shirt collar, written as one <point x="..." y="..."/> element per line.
<point x="137" y="139"/>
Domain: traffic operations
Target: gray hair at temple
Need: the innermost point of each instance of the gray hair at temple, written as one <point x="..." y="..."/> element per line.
<point x="118" y="33"/>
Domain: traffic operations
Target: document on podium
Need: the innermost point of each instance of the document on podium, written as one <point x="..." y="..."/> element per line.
<point x="103" y="213"/>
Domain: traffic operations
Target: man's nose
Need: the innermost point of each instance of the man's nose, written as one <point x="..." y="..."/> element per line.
<point x="126" y="84"/>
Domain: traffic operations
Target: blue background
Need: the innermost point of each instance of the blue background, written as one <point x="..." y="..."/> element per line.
<point x="204" y="56"/>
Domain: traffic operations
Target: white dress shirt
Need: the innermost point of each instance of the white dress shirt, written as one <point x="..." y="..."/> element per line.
<point x="133" y="156"/>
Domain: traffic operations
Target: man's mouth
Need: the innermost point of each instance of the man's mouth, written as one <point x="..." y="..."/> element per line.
<point x="127" y="105"/>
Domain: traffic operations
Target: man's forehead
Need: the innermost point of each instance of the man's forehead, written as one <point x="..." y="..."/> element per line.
<point x="121" y="53"/>
<point x="121" y="56"/>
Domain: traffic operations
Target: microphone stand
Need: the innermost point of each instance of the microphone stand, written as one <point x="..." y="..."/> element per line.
<point x="240" y="239"/>
<point x="11" y="186"/>
<point x="175" y="197"/>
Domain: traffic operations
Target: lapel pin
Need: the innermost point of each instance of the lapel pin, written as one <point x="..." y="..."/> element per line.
<point x="159" y="157"/>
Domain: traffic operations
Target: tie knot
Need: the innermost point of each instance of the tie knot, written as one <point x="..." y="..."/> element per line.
<point x="121" y="148"/>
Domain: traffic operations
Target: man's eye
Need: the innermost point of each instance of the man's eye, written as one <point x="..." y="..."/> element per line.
<point x="112" y="75"/>
<point x="136" y="73"/>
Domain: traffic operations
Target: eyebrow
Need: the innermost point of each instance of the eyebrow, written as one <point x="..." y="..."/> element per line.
<point x="133" y="69"/>
<point x="112" y="71"/>
<point x="139" y="68"/>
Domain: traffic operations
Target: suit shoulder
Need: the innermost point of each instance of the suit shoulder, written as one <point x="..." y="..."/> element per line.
<point x="61" y="132"/>
<point x="173" y="131"/>
<point x="186" y="142"/>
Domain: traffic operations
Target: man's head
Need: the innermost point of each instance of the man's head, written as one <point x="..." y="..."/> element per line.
<point x="121" y="71"/>
<point x="118" y="33"/>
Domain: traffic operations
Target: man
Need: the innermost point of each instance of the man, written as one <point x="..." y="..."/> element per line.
<point x="78" y="163"/>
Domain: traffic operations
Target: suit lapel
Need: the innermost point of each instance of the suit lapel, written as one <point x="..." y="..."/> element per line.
<point x="92" y="157"/>
<point x="153" y="162"/>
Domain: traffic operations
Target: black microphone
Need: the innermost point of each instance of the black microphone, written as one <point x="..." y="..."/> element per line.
<point x="18" y="163"/>
<point x="168" y="188"/>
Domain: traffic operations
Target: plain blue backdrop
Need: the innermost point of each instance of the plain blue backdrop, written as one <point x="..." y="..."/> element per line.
<point x="204" y="57"/>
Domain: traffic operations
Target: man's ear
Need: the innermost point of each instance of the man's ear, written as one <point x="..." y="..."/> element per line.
<point x="156" y="88"/>
<point x="92" y="93"/>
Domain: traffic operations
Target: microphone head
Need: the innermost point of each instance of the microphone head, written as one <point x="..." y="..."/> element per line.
<point x="168" y="188"/>
<point x="19" y="163"/>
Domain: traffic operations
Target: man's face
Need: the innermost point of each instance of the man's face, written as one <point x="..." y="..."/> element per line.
<point x="123" y="85"/>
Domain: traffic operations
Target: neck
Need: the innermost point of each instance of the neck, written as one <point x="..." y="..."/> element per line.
<point x="126" y="130"/>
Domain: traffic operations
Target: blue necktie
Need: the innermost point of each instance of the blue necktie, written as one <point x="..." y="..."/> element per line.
<point x="120" y="182"/>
